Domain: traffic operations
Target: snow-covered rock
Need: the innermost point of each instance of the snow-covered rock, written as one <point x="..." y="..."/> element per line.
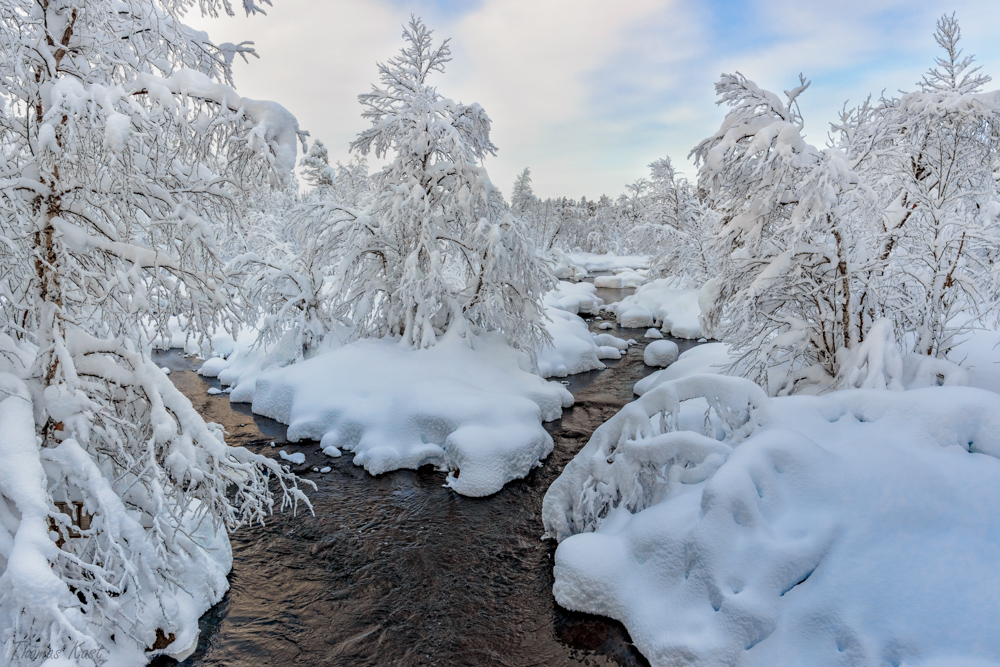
<point x="660" y="353"/>
<point x="475" y="412"/>
<point x="660" y="302"/>
<point x="633" y="315"/>
<point x="573" y="347"/>
<point x="621" y="279"/>
<point x="723" y="527"/>
<point x="653" y="333"/>
<point x="592" y="263"/>
<point x="575" y="298"/>
<point x="707" y="358"/>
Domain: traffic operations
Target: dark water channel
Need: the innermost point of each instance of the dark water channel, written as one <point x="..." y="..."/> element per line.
<point x="397" y="569"/>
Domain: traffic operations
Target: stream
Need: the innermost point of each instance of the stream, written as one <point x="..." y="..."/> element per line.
<point x="399" y="570"/>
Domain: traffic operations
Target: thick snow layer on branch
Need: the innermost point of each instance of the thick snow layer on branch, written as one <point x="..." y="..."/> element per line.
<point x="660" y="302"/>
<point x="473" y="412"/>
<point x="855" y="528"/>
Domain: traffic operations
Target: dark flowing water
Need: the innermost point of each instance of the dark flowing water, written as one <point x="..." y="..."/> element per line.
<point x="397" y="569"/>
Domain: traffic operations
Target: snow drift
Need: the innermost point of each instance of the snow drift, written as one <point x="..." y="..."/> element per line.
<point x="473" y="412"/>
<point x="724" y="527"/>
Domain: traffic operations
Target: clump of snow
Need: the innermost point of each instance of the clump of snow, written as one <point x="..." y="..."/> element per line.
<point x="622" y="279"/>
<point x="653" y="333"/>
<point x="724" y="527"/>
<point x="298" y="458"/>
<point x="472" y="410"/>
<point x="660" y="353"/>
<point x="661" y="303"/>
<point x="575" y="298"/>
<point x="606" y="325"/>
<point x="593" y="263"/>
<point x="573" y="349"/>
<point x="325" y="469"/>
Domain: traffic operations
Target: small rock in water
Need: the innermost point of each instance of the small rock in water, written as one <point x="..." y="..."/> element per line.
<point x="605" y="325"/>
<point x="702" y="340"/>
<point x="272" y="444"/>
<point x="315" y="469"/>
<point x="331" y="451"/>
<point x="653" y="333"/>
<point x="325" y="469"/>
<point x="298" y="458"/>
<point x="214" y="390"/>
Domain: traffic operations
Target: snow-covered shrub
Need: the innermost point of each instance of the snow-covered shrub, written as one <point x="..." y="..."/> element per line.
<point x="124" y="148"/>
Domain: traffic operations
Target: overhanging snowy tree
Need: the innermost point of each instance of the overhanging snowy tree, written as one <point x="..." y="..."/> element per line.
<point x="945" y="188"/>
<point x="124" y="146"/>
<point x="783" y="295"/>
<point x="437" y="248"/>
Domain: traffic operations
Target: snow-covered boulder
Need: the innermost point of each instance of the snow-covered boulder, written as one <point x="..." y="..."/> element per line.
<point x="660" y="353"/>
<point x="622" y="279"/>
<point x="475" y="412"/>
<point x="593" y="263"/>
<point x="661" y="302"/>
<point x="655" y="334"/>
<point x="633" y="315"/>
<point x="573" y="348"/>
<point x="575" y="298"/>
<point x="707" y="358"/>
<point x="726" y="528"/>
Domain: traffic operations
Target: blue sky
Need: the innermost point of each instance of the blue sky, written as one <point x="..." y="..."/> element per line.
<point x="587" y="92"/>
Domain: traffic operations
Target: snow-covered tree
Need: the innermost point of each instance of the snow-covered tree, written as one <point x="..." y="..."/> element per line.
<point x="316" y="170"/>
<point x="124" y="147"/>
<point x="672" y="225"/>
<point x="783" y="295"/>
<point x="944" y="182"/>
<point x="437" y="247"/>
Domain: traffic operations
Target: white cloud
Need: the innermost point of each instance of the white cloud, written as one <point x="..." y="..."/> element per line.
<point x="588" y="92"/>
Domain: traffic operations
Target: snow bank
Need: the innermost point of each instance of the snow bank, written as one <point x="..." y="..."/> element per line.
<point x="574" y="349"/>
<point x="855" y="528"/>
<point x="574" y="298"/>
<point x="474" y="412"/>
<point x="661" y="303"/>
<point x="591" y="262"/>
<point x="707" y="358"/>
<point x="621" y="279"/>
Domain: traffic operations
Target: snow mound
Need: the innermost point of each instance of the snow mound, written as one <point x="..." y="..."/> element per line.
<point x="723" y="527"/>
<point x="632" y="315"/>
<point x="707" y="358"/>
<point x="653" y="333"/>
<point x="564" y="268"/>
<point x="662" y="303"/>
<point x="474" y="412"/>
<point x="622" y="279"/>
<point x="660" y="353"/>
<point x="575" y="298"/>
<point x="573" y="349"/>
<point x="591" y="262"/>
